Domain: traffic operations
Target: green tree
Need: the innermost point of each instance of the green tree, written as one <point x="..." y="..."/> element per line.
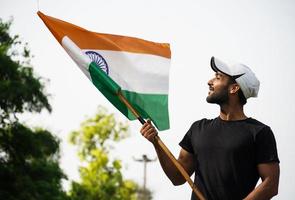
<point x="20" y="90"/>
<point x="101" y="177"/>
<point x="29" y="168"/>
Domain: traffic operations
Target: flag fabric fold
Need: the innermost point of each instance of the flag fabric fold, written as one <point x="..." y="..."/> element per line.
<point x="137" y="68"/>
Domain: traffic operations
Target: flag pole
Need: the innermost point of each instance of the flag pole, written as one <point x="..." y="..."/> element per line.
<point x="165" y="149"/>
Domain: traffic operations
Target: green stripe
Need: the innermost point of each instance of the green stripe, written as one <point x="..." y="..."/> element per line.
<point x="152" y="106"/>
<point x="101" y="77"/>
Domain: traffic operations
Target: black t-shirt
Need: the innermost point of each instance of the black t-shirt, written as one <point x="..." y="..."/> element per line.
<point x="227" y="154"/>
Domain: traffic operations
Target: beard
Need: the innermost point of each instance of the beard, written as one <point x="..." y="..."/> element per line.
<point x="221" y="97"/>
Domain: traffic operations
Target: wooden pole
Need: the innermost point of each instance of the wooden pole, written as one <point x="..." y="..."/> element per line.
<point x="165" y="149"/>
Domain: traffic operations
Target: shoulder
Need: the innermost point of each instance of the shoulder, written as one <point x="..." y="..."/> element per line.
<point x="258" y="127"/>
<point x="202" y="123"/>
<point x="255" y="122"/>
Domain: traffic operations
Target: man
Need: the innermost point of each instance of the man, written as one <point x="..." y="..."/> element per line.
<point x="231" y="152"/>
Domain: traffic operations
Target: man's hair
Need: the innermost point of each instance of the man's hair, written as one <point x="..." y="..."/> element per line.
<point x="241" y="96"/>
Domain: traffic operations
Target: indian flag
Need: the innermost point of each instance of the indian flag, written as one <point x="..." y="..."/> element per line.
<point x="139" y="69"/>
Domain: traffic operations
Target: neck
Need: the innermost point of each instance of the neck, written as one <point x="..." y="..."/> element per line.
<point x="232" y="112"/>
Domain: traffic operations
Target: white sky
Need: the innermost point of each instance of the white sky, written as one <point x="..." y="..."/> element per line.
<point x="257" y="33"/>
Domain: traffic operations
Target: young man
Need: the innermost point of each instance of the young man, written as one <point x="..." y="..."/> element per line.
<point x="231" y="152"/>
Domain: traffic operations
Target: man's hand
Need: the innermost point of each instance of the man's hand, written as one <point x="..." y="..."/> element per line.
<point x="149" y="131"/>
<point x="185" y="158"/>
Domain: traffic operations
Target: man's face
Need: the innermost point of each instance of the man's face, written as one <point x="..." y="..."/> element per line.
<point x="218" y="89"/>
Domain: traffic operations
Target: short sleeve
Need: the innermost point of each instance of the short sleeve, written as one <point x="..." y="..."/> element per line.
<point x="266" y="148"/>
<point x="186" y="142"/>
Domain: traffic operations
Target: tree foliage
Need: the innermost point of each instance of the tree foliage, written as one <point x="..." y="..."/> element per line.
<point x="20" y="90"/>
<point x="29" y="168"/>
<point x="29" y="164"/>
<point x="101" y="177"/>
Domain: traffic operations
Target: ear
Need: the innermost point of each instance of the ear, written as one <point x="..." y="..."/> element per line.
<point x="234" y="88"/>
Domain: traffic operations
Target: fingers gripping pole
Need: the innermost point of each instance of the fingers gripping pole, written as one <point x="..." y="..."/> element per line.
<point x="165" y="149"/>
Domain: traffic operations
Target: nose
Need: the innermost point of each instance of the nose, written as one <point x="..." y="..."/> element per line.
<point x="210" y="82"/>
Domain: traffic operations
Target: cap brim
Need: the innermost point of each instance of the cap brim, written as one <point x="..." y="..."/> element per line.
<point x="213" y="65"/>
<point x="220" y="68"/>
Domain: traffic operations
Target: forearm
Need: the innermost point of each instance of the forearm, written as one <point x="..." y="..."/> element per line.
<point x="168" y="166"/>
<point x="165" y="157"/>
<point x="265" y="191"/>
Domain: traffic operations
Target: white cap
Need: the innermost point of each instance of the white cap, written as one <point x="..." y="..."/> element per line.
<point x="242" y="74"/>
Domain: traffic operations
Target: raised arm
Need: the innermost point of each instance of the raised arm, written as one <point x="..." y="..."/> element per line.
<point x="185" y="158"/>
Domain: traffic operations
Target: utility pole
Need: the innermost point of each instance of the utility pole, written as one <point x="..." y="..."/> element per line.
<point x="145" y="161"/>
